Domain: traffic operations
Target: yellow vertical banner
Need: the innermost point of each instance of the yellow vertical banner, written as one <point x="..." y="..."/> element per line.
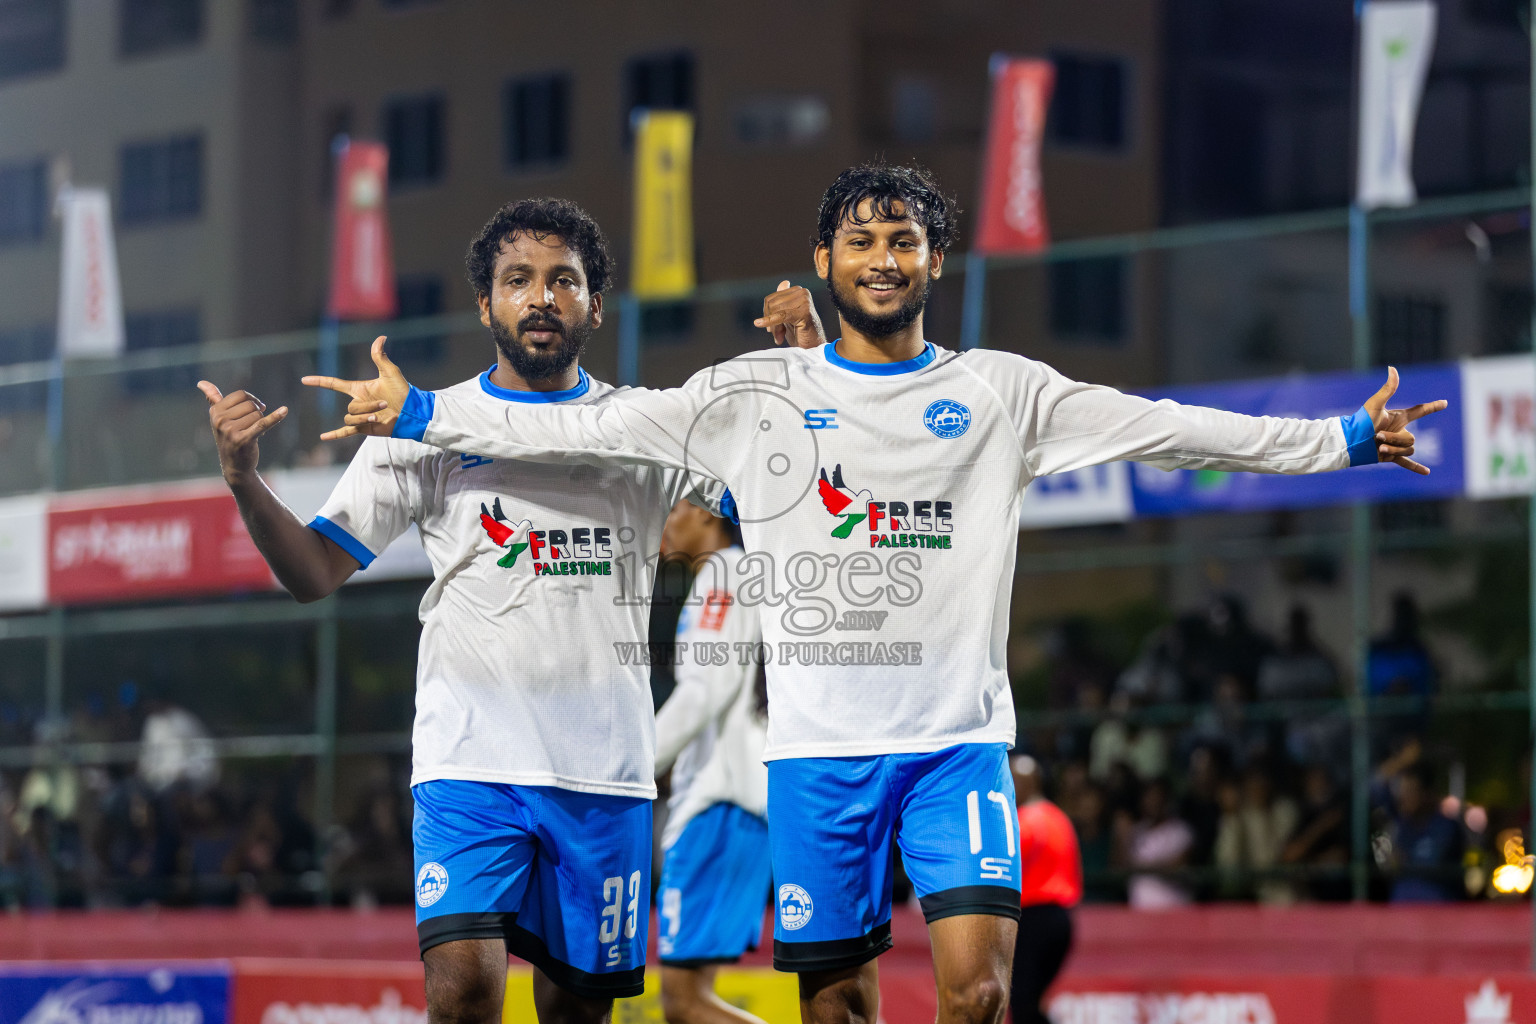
<point x="663" y="244"/>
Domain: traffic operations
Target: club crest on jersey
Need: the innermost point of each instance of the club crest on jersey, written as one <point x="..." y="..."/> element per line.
<point x="431" y="883"/>
<point x="795" y="907"/>
<point x="921" y="523"/>
<point x="574" y="551"/>
<point x="947" y="418"/>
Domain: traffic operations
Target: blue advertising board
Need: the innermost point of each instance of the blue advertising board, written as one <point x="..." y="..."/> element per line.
<point x="1156" y="492"/>
<point x="115" y="993"/>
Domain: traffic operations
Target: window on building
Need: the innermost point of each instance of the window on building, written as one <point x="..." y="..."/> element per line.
<point x="31" y="344"/>
<point x="413" y="129"/>
<point x="336" y="121"/>
<point x="775" y="121"/>
<point x="418" y="295"/>
<point x="1409" y="329"/>
<point x="536" y="115"/>
<point x="146" y="26"/>
<point x="23" y="202"/>
<point x="1088" y="104"/>
<point x="914" y="109"/>
<point x="162" y="180"/>
<point x="31" y="37"/>
<point x="274" y="21"/>
<point x="1088" y="300"/>
<point x="164" y="328"/>
<point x="667" y="321"/>
<point x="658" y="82"/>
<point x="1509" y="319"/>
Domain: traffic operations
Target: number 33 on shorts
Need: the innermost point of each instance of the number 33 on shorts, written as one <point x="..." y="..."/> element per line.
<point x="616" y="906"/>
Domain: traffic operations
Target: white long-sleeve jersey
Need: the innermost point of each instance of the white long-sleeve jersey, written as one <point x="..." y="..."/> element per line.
<point x="879" y="506"/>
<point x="710" y="732"/>
<point x="532" y="667"/>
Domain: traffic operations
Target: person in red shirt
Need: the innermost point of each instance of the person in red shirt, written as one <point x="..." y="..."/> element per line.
<point x="1052" y="873"/>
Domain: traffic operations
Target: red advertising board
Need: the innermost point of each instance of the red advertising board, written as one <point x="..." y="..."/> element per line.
<point x="151" y="542"/>
<point x="362" y="265"/>
<point x="304" y="992"/>
<point x="1012" y="218"/>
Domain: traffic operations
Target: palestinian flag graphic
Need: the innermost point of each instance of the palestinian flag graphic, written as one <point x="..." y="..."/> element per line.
<point x="513" y="537"/>
<point x="838" y="499"/>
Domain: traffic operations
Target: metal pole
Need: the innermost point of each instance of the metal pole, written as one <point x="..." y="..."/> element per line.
<point x="56" y="480"/>
<point x="327" y="364"/>
<point x="1360" y="576"/>
<point x="325" y="727"/>
<point x="1530" y="671"/>
<point x="973" y="313"/>
<point x="629" y="340"/>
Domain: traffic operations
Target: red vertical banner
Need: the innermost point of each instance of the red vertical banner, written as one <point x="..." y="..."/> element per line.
<point x="362" y="266"/>
<point x="1012" y="198"/>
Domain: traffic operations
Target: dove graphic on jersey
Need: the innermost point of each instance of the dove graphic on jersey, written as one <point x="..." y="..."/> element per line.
<point x="836" y="497"/>
<point x="494" y="520"/>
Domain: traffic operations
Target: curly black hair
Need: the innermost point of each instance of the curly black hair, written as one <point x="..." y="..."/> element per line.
<point x="886" y="185"/>
<point x="541" y="218"/>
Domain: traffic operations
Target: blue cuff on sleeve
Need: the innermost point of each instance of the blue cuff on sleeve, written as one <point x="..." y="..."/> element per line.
<point x="728" y="507"/>
<point x="1360" y="436"/>
<point x="415" y="414"/>
<point x="344" y="540"/>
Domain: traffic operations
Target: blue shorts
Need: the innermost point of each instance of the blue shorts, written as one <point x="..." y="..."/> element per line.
<point x="834" y="819"/>
<point x="714" y="888"/>
<point x="563" y="877"/>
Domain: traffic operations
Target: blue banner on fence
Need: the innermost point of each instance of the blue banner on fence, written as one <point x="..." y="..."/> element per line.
<point x="115" y="994"/>
<point x="1439" y="446"/>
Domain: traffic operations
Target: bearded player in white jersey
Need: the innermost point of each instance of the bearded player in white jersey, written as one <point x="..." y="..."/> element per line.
<point x="899" y="503"/>
<point x="532" y="753"/>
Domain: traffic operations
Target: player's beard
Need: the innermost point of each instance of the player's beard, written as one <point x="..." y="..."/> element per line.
<point x="529" y="363"/>
<point x="879" y="325"/>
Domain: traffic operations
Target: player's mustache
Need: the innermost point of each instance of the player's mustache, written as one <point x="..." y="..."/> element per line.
<point x="535" y="322"/>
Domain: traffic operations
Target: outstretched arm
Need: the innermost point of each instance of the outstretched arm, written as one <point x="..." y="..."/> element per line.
<point x="1066" y="425"/>
<point x="681" y="428"/>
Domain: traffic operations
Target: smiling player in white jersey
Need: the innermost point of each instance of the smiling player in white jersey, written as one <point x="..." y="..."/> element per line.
<point x="710" y="734"/>
<point x="532" y="761"/>
<point x="896" y="509"/>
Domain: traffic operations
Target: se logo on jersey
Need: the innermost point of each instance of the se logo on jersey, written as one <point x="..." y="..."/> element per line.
<point x="578" y="551"/>
<point x="914" y="524"/>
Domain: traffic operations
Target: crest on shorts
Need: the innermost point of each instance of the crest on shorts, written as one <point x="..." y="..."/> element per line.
<point x="795" y="907"/>
<point x="431" y="883"/>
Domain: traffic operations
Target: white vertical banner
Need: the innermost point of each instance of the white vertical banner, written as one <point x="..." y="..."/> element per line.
<point x="1498" y="409"/>
<point x="90" y="298"/>
<point x="1397" y="39"/>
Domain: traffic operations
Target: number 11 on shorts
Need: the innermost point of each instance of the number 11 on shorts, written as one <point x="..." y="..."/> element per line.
<point x="992" y="868"/>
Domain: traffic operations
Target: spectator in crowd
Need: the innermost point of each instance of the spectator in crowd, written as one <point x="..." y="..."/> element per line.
<point x="176" y="749"/>
<point x="1141" y="747"/>
<point x="1301" y="670"/>
<point x="378" y="864"/>
<point x="1225" y="727"/>
<point x="1320" y="841"/>
<point x="1424" y="848"/>
<point x="1073" y="664"/>
<point x="1096" y="845"/>
<point x="1051" y="872"/>
<point x="1250" y="840"/>
<point x="1157" y="850"/>
<point x="1399" y="665"/>
<point x="1198" y="807"/>
<point x="1227" y="646"/>
<point x="1156" y="676"/>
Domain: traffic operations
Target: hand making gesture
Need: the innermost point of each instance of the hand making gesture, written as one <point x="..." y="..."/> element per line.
<point x="1394" y="442"/>
<point x="789" y="314"/>
<point x="375" y="404"/>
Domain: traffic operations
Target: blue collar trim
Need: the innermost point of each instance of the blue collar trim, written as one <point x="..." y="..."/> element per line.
<point x="535" y="397"/>
<point x="928" y="355"/>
